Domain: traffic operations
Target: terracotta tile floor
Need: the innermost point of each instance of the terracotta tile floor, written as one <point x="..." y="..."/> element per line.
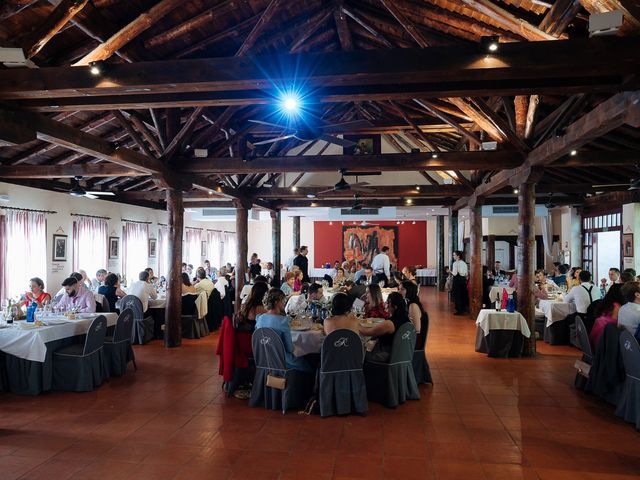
<point x="484" y="419"/>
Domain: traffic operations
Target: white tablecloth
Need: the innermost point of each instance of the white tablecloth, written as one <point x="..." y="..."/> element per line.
<point x="31" y="344"/>
<point x="426" y="272"/>
<point x="159" y="302"/>
<point x="491" y="320"/>
<point x="498" y="290"/>
<point x="320" y="272"/>
<point x="555" y="311"/>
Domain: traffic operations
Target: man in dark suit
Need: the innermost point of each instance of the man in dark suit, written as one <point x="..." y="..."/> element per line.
<point x="302" y="262"/>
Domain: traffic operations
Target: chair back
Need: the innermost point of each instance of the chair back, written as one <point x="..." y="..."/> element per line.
<point x="342" y="351"/>
<point x="106" y="308"/>
<point x="358" y="290"/>
<point x="404" y="341"/>
<point x="583" y="338"/>
<point x="95" y="335"/>
<point x="630" y="351"/>
<point x="421" y="338"/>
<point x="268" y="350"/>
<point x="134" y="303"/>
<point x="189" y="304"/>
<point x="124" y="326"/>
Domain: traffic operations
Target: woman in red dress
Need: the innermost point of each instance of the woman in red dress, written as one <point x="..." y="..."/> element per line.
<point x="374" y="307"/>
<point x="36" y="293"/>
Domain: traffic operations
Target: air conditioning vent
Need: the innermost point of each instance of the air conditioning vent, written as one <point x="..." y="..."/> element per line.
<point x="502" y="210"/>
<point x="362" y="211"/>
<point x="218" y="212"/>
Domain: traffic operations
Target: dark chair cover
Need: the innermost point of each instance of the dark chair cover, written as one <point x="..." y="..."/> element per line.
<point x="585" y="346"/>
<point x="227" y="301"/>
<point x="342" y="386"/>
<point x="358" y="291"/>
<point x="215" y="311"/>
<point x="82" y="367"/>
<point x="394" y="382"/>
<point x="189" y="317"/>
<point x="117" y="348"/>
<point x="607" y="372"/>
<point x="628" y="406"/>
<point x="329" y="280"/>
<point x="143" y="327"/>
<point x="268" y="352"/>
<point x="103" y="307"/>
<point x="590" y="317"/>
<point x="420" y="364"/>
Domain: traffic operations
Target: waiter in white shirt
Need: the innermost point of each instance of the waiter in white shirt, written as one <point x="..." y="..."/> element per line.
<point x="143" y="290"/>
<point x="459" y="290"/>
<point x="381" y="266"/>
<point x="584" y="294"/>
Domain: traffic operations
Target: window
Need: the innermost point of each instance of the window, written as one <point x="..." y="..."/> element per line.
<point x="592" y="227"/>
<point x="90" y="244"/>
<point x="192" y="254"/>
<point x="23" y="251"/>
<point x="214" y="248"/>
<point x="135" y="249"/>
<point x="229" y="248"/>
<point x="163" y="251"/>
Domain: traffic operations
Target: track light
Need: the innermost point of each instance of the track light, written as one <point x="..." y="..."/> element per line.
<point x="516" y="191"/>
<point x="409" y="201"/>
<point x="310" y="195"/>
<point x="434" y="155"/>
<point x="490" y="44"/>
<point x="294" y="189"/>
<point x="97" y="68"/>
<point x="574" y="153"/>
<point x="418" y="187"/>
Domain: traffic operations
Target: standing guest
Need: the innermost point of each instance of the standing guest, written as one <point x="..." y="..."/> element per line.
<point x="628" y="275"/>
<point x="341" y="315"/>
<point x="606" y="313"/>
<point x="497" y="268"/>
<point x="302" y="262"/>
<point x="270" y="274"/>
<point x="614" y="276"/>
<point x="289" y="263"/>
<point x="384" y="331"/>
<point x="111" y="290"/>
<point x="381" y="266"/>
<point x="36" y="293"/>
<point x="203" y="284"/>
<point x="143" y="290"/>
<point x="76" y="296"/>
<point x="287" y="284"/>
<point x="274" y="318"/>
<point x="254" y="267"/>
<point x="629" y="313"/>
<point x="222" y="283"/>
<point x="487" y="283"/>
<point x="573" y="277"/>
<point x="417" y="313"/>
<point x="360" y="272"/>
<point x="374" y="304"/>
<point x="208" y="270"/>
<point x="101" y="275"/>
<point x="584" y="294"/>
<point x="459" y="285"/>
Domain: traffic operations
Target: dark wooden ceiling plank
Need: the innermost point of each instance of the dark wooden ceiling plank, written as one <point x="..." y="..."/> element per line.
<point x="410" y="28"/>
<point x="67" y="171"/>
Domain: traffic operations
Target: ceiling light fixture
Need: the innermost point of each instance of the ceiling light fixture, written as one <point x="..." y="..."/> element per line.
<point x="96" y="68"/>
<point x="409" y="201"/>
<point x="516" y="191"/>
<point x="434" y="155"/>
<point x="310" y="195"/>
<point x="294" y="189"/>
<point x="490" y="44"/>
<point x="574" y="153"/>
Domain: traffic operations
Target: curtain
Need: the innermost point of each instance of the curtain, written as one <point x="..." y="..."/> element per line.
<point x="461" y="235"/>
<point x="192" y="247"/>
<point x="229" y="248"/>
<point x="214" y="248"/>
<point x="163" y="251"/>
<point x="135" y="249"/>
<point x="90" y="236"/>
<point x="547" y="237"/>
<point x="3" y="256"/>
<point x="26" y="250"/>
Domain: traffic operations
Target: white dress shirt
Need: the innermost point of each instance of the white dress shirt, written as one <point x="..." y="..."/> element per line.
<point x="580" y="296"/>
<point x="296" y="304"/>
<point x="220" y="286"/>
<point x="289" y="263"/>
<point x="459" y="267"/>
<point x="629" y="317"/>
<point x="381" y="264"/>
<point x="144" y="291"/>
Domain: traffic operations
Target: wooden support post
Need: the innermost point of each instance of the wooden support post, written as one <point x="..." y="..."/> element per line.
<point x="241" y="260"/>
<point x="475" y="259"/>
<point x="491" y="251"/>
<point x="276" y="230"/>
<point x="296" y="231"/>
<point x="453" y="234"/>
<point x="526" y="252"/>
<point x="173" y="311"/>
<point x="440" y="253"/>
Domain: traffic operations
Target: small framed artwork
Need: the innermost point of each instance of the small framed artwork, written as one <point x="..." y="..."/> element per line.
<point x="152" y="247"/>
<point x="114" y="247"/>
<point x="627" y="244"/>
<point x="203" y="248"/>
<point x="59" y="248"/>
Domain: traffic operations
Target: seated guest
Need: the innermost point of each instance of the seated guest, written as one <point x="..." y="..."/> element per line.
<point x="542" y="285"/>
<point x="223" y="282"/>
<point x="367" y="278"/>
<point x="143" y="290"/>
<point x="208" y="270"/>
<point x="513" y="281"/>
<point x="184" y="268"/>
<point x="86" y="283"/>
<point x="374" y="305"/>
<point x="360" y="272"/>
<point x="287" y="285"/>
<point x="606" y="313"/>
<point x="62" y="291"/>
<point x="253" y="307"/>
<point x="351" y="271"/>
<point x="246" y="289"/>
<point x="297" y="283"/>
<point x="77" y="297"/>
<point x="584" y="294"/>
<point x="334" y="270"/>
<point x="101" y="275"/>
<point x="270" y="274"/>
<point x="409" y="292"/>
<point x="299" y="303"/>
<point x="111" y="290"/>
<point x="36" y="294"/>
<point x="385" y="331"/>
<point x="559" y="276"/>
<point x="339" y="278"/>
<point x="341" y="315"/>
<point x="487" y="283"/>
<point x="573" y="278"/>
<point x="186" y="286"/>
<point x="274" y="318"/>
<point x="614" y="276"/>
<point x="409" y="273"/>
<point x="203" y="284"/>
<point x="629" y="313"/>
<point x="628" y="275"/>
<point x="152" y="278"/>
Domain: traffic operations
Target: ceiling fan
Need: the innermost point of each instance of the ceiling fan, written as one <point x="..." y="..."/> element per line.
<point x="307" y="133"/>
<point x="78" y="191"/>
<point x="634" y="184"/>
<point x="343" y="185"/>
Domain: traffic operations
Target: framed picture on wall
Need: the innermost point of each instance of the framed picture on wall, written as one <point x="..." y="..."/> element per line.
<point x="203" y="248"/>
<point x="59" y="248"/>
<point x="114" y="247"/>
<point x="627" y="244"/>
<point x="152" y="247"/>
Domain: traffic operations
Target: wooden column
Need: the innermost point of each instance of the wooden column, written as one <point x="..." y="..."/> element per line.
<point x="440" y="253"/>
<point x="276" y="230"/>
<point x="173" y="310"/>
<point x="475" y="259"/>
<point x="242" y="228"/>
<point x="525" y="260"/>
<point x="453" y="234"/>
<point x="491" y="251"/>
<point x="296" y="232"/>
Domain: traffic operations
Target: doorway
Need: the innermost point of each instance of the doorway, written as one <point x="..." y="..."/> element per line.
<point x="606" y="246"/>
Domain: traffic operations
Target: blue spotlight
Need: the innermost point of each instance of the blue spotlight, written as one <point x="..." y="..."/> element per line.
<point x="290" y="104"/>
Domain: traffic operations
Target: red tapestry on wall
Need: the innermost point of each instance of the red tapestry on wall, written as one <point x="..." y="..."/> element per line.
<point x="363" y="243"/>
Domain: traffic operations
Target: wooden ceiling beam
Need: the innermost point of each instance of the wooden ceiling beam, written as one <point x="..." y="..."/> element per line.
<point x="344" y="33"/>
<point x="259" y="27"/>
<point x="9" y="8"/>
<point x="183" y="134"/>
<point x="132" y="133"/>
<point x="380" y="191"/>
<point x="234" y="32"/>
<point x="415" y="127"/>
<point x="435" y="111"/>
<point x="406" y="24"/>
<point x="67" y="171"/>
<point x="558" y="17"/>
<point x="380" y="38"/>
<point x="315" y="22"/>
